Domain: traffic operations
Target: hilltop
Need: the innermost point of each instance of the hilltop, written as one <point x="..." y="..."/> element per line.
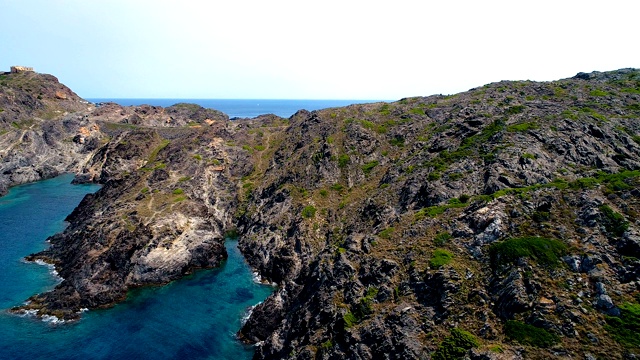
<point x="501" y="222"/>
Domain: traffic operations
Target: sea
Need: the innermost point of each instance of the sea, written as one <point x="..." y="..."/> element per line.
<point x="196" y="317"/>
<point x="243" y="108"/>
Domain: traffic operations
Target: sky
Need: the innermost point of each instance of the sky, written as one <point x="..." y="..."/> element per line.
<point x="347" y="49"/>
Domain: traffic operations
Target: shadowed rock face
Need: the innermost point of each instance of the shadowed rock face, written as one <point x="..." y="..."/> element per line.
<point x="384" y="225"/>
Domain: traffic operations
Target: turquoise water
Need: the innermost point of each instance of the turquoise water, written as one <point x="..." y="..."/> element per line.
<point x="244" y="107"/>
<point x="193" y="318"/>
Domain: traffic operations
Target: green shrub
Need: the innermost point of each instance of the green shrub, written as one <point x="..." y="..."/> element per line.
<point x="327" y="345"/>
<point x="456" y="345"/>
<point x="584" y="183"/>
<point x="397" y="141"/>
<point x="541" y="216"/>
<point x="336" y="187"/>
<point x="324" y="193"/>
<point x="625" y="328"/>
<point x="385" y="109"/>
<point x="433" y="176"/>
<point x="455" y="176"/>
<point x="361" y="310"/>
<point x="343" y="160"/>
<point x="386" y="233"/>
<point x="440" y="258"/>
<point x="614" y="222"/>
<point x="177" y="191"/>
<point x="522" y="127"/>
<point x="527" y="334"/>
<point x="546" y="252"/>
<point x="441" y="238"/>
<point x="308" y="212"/>
<point x="515" y="110"/>
<point x="349" y="319"/>
<point x="197" y="157"/>
<point x="464" y="198"/>
<point x="597" y="92"/>
<point x="369" y="166"/>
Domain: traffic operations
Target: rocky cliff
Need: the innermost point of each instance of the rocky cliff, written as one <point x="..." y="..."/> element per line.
<point x="497" y="223"/>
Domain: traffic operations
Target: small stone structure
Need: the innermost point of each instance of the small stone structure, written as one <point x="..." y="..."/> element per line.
<point x="17" y="69"/>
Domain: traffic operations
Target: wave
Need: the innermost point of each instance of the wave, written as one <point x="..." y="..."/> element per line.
<point x="248" y="313"/>
<point x="52" y="269"/>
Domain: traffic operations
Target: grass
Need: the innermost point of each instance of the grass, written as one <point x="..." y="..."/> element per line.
<point x="343" y="160"/>
<point x="433" y="211"/>
<point x="598" y="92"/>
<point x="522" y="127"/>
<point x="368" y="167"/>
<point x="441" y="238"/>
<point x="386" y="233"/>
<point x="625" y="328"/>
<point x="154" y="153"/>
<point x="515" y="110"/>
<point x="469" y="146"/>
<point x="440" y="258"/>
<point x="361" y="310"/>
<point x="456" y="345"/>
<point x="530" y="335"/>
<point x="614" y="222"/>
<point x="308" y="212"/>
<point x="546" y="252"/>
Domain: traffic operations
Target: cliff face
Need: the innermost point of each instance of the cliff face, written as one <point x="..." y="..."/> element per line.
<point x="498" y="223"/>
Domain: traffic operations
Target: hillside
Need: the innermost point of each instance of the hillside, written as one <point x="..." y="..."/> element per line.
<point x="501" y="222"/>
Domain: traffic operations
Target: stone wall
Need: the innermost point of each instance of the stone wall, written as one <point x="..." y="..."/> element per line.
<point x="17" y="69"/>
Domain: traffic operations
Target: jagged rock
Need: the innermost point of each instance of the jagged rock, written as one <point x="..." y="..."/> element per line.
<point x="510" y="295"/>
<point x="605" y="304"/>
<point x="344" y="209"/>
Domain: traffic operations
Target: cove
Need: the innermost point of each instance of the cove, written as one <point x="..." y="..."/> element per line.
<point x="192" y="318"/>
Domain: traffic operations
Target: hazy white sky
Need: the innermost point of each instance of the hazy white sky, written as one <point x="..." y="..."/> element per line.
<point x="312" y="49"/>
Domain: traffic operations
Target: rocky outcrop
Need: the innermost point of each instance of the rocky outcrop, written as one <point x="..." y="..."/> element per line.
<point x="384" y="225"/>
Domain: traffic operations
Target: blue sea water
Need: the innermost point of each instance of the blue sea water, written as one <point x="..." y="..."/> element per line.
<point x="193" y="318"/>
<point x="243" y="108"/>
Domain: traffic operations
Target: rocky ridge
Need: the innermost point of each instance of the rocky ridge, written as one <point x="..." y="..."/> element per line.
<point x="497" y="223"/>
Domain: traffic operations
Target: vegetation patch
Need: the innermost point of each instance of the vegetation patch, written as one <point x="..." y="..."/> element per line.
<point x="522" y="127"/>
<point x="598" y="92"/>
<point x="456" y="345"/>
<point x="308" y="212"/>
<point x="433" y="211"/>
<point x="369" y="166"/>
<point x="515" y="110"/>
<point x="625" y="328"/>
<point x="527" y="334"/>
<point x="546" y="252"/>
<point x="440" y="258"/>
<point x="343" y="160"/>
<point x="441" y="238"/>
<point x="154" y="153"/>
<point x="614" y="222"/>
<point x="467" y="148"/>
<point x="386" y="233"/>
<point x="361" y="310"/>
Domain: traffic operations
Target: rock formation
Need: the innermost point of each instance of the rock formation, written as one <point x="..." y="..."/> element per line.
<point x="501" y="222"/>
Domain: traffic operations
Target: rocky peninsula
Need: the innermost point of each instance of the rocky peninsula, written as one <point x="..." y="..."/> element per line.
<point x="497" y="223"/>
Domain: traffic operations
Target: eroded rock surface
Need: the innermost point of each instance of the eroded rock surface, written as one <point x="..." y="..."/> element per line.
<point x="384" y="225"/>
